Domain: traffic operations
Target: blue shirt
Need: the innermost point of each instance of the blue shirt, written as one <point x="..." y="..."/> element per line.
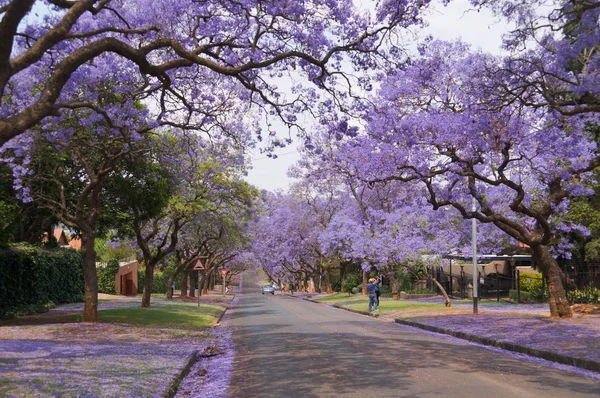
<point x="373" y="288"/>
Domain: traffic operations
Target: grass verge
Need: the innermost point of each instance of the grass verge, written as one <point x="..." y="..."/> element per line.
<point x="130" y="351"/>
<point x="180" y="314"/>
<point x="360" y="302"/>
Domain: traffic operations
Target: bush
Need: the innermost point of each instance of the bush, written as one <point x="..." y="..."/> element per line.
<point x="532" y="287"/>
<point x="385" y="291"/>
<point x="336" y="283"/>
<point x="531" y="282"/>
<point x="351" y="281"/>
<point x="29" y="309"/>
<point x="589" y="294"/>
<point x="159" y="281"/>
<point x="526" y="297"/>
<point x="106" y="277"/>
<point x="31" y="279"/>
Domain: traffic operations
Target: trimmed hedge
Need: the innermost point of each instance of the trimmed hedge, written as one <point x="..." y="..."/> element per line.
<point x="159" y="281"/>
<point x="31" y="279"/>
<point x="106" y="277"/>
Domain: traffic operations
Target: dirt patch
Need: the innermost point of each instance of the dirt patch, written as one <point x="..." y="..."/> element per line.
<point x="585" y="309"/>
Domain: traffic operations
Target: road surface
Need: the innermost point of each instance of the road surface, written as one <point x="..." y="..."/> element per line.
<point x="288" y="347"/>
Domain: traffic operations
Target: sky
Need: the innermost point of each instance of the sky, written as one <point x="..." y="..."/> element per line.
<point x="479" y="28"/>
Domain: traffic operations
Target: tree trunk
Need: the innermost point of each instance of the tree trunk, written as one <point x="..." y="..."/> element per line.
<point x="88" y="256"/>
<point x="328" y="287"/>
<point x="148" y="278"/>
<point x="173" y="275"/>
<point x="205" y="282"/>
<point x="184" y="283"/>
<point x="364" y="282"/>
<point x="342" y="276"/>
<point x="448" y="303"/>
<point x="394" y="285"/>
<point x="559" y="306"/>
<point x="317" y="279"/>
<point x="169" y="291"/>
<point x="191" y="284"/>
<point x="200" y="278"/>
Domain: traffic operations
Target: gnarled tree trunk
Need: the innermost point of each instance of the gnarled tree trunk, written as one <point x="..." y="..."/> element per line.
<point x="448" y="303"/>
<point x="559" y="306"/>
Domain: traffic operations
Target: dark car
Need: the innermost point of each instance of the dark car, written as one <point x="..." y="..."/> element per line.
<point x="267" y="289"/>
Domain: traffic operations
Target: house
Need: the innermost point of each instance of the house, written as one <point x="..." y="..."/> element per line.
<point x="63" y="239"/>
<point x="126" y="280"/>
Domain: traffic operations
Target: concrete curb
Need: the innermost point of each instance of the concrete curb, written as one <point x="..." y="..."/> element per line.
<point x="174" y="386"/>
<point x="371" y="314"/>
<point x="224" y="311"/>
<point x="189" y="362"/>
<point x="582" y="363"/>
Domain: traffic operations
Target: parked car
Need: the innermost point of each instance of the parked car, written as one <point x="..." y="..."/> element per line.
<point x="267" y="289"/>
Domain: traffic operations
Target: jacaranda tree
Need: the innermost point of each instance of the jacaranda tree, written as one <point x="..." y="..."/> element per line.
<point x="168" y="51"/>
<point x="520" y="163"/>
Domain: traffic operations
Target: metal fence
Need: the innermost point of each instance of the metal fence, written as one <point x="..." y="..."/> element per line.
<point x="580" y="274"/>
<point x="492" y="286"/>
<point x="578" y="278"/>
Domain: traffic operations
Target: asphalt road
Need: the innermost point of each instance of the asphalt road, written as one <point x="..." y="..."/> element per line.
<point x="288" y="347"/>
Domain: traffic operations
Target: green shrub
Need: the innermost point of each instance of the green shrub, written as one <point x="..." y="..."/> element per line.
<point x="532" y="287"/>
<point x="32" y="278"/>
<point x="351" y="281"/>
<point x="385" y="291"/>
<point x="589" y="294"/>
<point x="159" y="281"/>
<point x="531" y="282"/>
<point x="336" y="283"/>
<point x="28" y="309"/>
<point x="106" y="277"/>
<point x="526" y="297"/>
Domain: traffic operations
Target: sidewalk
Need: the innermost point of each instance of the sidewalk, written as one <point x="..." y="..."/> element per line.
<point x="522" y="328"/>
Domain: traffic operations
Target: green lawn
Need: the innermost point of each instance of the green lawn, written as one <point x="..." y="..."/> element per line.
<point x="187" y="315"/>
<point x="386" y="305"/>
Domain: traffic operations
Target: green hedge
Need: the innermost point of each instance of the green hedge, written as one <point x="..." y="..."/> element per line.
<point x="106" y="277"/>
<point x="31" y="279"/>
<point x="526" y="297"/>
<point x="531" y="282"/>
<point x="532" y="287"/>
<point x="159" y="281"/>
